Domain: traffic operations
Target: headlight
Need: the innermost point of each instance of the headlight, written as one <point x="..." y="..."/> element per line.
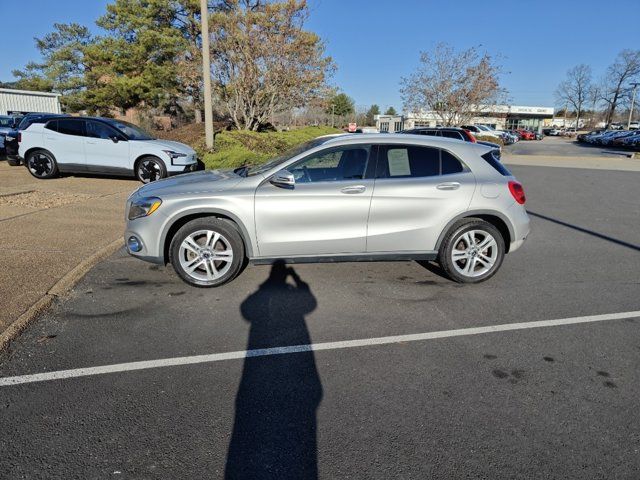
<point x="144" y="207"/>
<point x="173" y="154"/>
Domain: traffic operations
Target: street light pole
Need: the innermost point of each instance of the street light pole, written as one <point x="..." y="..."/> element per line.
<point x="633" y="101"/>
<point x="206" y="74"/>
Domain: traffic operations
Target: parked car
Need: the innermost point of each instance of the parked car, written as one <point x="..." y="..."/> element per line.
<point x="451" y="132"/>
<point x="551" y="132"/>
<point x="12" y="140"/>
<point x="103" y="146"/>
<point x="6" y="125"/>
<point x="609" y="139"/>
<point x="583" y="136"/>
<point x="434" y="199"/>
<point x="526" y="134"/>
<point x="476" y="130"/>
<point x="626" y="140"/>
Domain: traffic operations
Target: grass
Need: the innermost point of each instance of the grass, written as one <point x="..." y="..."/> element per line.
<point x="235" y="148"/>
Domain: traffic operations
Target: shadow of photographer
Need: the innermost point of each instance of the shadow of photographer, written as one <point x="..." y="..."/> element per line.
<point x="274" y="431"/>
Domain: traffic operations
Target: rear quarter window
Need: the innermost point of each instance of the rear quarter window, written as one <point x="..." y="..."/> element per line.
<point x="491" y="158"/>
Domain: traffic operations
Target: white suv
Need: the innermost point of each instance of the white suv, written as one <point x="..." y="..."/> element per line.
<point x="103" y="146"/>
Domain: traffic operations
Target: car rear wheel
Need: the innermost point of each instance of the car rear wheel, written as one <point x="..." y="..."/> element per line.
<point x="150" y="169"/>
<point x="207" y="252"/>
<point x="41" y="164"/>
<point x="472" y="251"/>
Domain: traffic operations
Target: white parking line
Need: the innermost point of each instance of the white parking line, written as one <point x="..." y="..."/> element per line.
<point x="218" y="357"/>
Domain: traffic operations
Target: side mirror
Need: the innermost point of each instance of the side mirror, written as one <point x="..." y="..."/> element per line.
<point x="283" y="179"/>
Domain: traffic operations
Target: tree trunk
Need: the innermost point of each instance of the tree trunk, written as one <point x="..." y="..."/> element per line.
<point x="198" y="114"/>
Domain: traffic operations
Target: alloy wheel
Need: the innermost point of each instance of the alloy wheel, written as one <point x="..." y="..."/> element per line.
<point x="149" y="171"/>
<point x="40" y="165"/>
<point x="474" y="253"/>
<point x="205" y="255"/>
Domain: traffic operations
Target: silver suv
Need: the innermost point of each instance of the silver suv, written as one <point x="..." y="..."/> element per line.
<point x="337" y="198"/>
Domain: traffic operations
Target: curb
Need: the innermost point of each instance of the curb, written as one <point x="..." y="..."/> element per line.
<point x="61" y="287"/>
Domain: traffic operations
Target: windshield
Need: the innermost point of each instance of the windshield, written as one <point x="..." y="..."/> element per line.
<point x="288" y="155"/>
<point x="130" y="130"/>
<point x="6" y="122"/>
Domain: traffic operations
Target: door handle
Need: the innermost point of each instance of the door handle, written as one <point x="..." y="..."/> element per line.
<point x="448" y="186"/>
<point x="50" y="138"/>
<point x="353" y="189"/>
<point x="91" y="143"/>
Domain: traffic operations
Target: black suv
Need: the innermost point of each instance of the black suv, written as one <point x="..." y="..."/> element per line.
<point x="12" y="139"/>
<point x="450" y="132"/>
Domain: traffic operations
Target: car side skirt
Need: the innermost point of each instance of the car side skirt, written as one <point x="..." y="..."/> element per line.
<point x="358" y="257"/>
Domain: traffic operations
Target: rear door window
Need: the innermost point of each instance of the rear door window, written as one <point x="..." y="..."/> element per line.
<point x="52" y="125"/>
<point x="408" y="161"/>
<point x="71" y="127"/>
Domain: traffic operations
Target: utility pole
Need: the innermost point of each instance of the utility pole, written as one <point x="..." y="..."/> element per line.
<point x="206" y="74"/>
<point x="633" y="101"/>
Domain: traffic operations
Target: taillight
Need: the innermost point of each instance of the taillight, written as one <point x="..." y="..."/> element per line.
<point x="517" y="192"/>
<point x="19" y="137"/>
<point x="471" y="138"/>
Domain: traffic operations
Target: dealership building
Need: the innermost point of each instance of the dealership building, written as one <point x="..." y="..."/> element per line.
<point x="500" y="117"/>
<point x="14" y="102"/>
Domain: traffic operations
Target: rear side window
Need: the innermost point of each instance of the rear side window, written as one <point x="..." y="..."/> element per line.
<point x="492" y="159"/>
<point x="405" y="161"/>
<point x="71" y="127"/>
<point x="52" y="125"/>
<point x="451" y="134"/>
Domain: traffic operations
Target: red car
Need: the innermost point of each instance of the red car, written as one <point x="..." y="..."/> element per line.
<point x="526" y="134"/>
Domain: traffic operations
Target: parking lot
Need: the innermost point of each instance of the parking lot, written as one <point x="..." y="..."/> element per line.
<point x="215" y="398"/>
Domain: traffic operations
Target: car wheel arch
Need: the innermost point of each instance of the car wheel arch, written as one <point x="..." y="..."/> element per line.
<point x="495" y="218"/>
<point x="185" y="217"/>
<point x="33" y="149"/>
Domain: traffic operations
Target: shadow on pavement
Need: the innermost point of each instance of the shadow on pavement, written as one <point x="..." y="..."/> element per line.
<point x="274" y="431"/>
<point x="585" y="230"/>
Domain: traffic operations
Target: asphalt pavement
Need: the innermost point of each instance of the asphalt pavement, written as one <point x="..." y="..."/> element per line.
<point x="548" y="402"/>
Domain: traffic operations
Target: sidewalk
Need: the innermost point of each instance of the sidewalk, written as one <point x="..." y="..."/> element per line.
<point x="48" y="227"/>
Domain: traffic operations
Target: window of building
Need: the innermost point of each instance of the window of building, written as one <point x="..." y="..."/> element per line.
<point x="397" y="126"/>
<point x="384" y="126"/>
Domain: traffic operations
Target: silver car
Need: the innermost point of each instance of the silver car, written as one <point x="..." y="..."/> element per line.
<point x="362" y="197"/>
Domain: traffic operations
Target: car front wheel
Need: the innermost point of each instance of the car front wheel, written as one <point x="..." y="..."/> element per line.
<point x="207" y="252"/>
<point x="472" y="251"/>
<point x="149" y="169"/>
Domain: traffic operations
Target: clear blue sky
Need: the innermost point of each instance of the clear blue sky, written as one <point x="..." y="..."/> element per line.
<point x="375" y="42"/>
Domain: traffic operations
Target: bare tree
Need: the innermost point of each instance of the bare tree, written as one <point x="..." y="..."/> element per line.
<point x="454" y="85"/>
<point x="263" y="61"/>
<point x="575" y="89"/>
<point x="616" y="86"/>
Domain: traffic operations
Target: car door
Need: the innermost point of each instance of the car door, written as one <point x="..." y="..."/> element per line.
<point x="106" y="149"/>
<point x="325" y="212"/>
<point x="64" y="138"/>
<point x="418" y="190"/>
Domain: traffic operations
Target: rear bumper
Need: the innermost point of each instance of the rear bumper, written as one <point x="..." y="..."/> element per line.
<point x="521" y="226"/>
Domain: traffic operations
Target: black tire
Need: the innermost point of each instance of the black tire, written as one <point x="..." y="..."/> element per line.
<point x="41" y="164"/>
<point x="229" y="237"/>
<point x="14" y="162"/>
<point x="149" y="169"/>
<point x="480" y="259"/>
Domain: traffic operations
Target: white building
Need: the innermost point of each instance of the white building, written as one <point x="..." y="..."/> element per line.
<point x="501" y="117"/>
<point x="25" y="101"/>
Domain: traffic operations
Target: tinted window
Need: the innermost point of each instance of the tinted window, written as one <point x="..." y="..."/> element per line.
<point x="52" y="125"/>
<point x="450" y="164"/>
<point x="492" y="160"/>
<point x="100" y="130"/>
<point x="71" y="127"/>
<point x="346" y="163"/>
<point x="396" y="161"/>
<point x="133" y="132"/>
<point x="452" y="134"/>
